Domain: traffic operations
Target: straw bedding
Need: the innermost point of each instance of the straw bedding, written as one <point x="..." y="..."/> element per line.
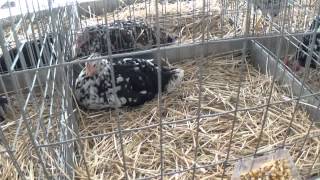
<point x="182" y="21"/>
<point x="220" y="82"/>
<point x="23" y="149"/>
<point x="313" y="79"/>
<point x="182" y="11"/>
<point x="177" y="19"/>
<point x="142" y="149"/>
<point x="186" y="18"/>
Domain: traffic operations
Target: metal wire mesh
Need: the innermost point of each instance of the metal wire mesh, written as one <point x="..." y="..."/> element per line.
<point x="217" y="117"/>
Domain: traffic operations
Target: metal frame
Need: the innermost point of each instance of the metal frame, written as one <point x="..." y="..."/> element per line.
<point x="57" y="77"/>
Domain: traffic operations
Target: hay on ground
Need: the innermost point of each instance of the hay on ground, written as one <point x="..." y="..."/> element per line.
<point x="219" y="92"/>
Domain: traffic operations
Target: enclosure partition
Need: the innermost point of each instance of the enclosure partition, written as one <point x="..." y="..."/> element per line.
<point x="39" y="100"/>
<point x="238" y="101"/>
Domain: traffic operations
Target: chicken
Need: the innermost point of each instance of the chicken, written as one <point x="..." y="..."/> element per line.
<point x="125" y="36"/>
<point x="300" y="58"/>
<point x="136" y="82"/>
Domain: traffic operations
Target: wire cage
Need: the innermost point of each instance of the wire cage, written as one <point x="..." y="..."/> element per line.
<point x="238" y="100"/>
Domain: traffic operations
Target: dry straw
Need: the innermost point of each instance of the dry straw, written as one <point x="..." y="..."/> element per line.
<point x="219" y="92"/>
<point x="219" y="89"/>
<point x="220" y="82"/>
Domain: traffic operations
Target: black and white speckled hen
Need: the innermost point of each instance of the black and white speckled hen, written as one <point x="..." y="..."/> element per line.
<point x="125" y="36"/>
<point x="300" y="58"/>
<point x="135" y="79"/>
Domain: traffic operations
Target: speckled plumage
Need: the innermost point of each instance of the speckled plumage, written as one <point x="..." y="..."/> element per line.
<point x="136" y="83"/>
<point x="125" y="36"/>
<point x="307" y="39"/>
